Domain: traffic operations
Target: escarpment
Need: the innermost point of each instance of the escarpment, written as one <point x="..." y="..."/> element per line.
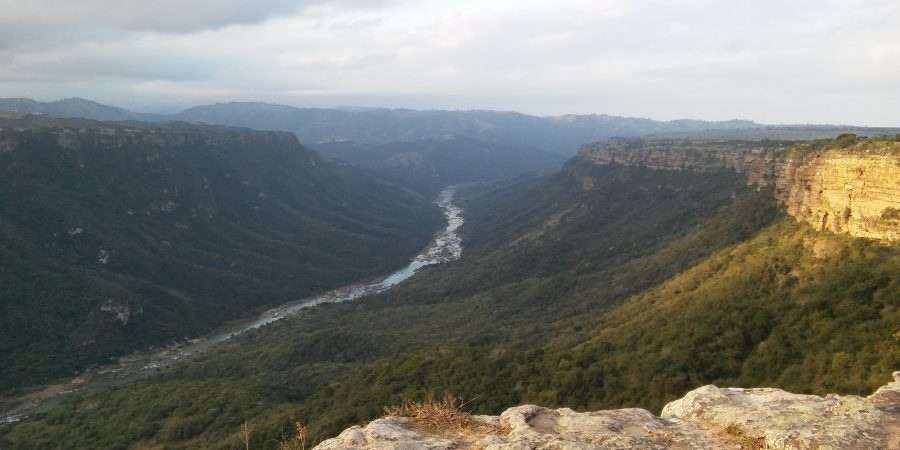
<point x="854" y="190"/>
<point x="851" y="188"/>
<point x="23" y="132"/>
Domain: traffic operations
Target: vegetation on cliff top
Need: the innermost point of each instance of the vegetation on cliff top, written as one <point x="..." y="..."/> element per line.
<point x="848" y="142"/>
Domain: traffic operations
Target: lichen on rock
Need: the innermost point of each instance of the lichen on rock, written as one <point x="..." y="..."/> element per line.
<point x="706" y="418"/>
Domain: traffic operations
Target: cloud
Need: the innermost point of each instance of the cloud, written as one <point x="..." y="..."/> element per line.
<point x="168" y="16"/>
<point x="769" y="60"/>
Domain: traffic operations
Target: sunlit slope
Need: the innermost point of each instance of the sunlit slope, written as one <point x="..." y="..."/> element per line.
<point x="804" y="310"/>
<point x="791" y="307"/>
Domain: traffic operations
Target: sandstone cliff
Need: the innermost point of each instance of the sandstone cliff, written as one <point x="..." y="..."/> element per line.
<point x="705" y="418"/>
<point x="852" y="188"/>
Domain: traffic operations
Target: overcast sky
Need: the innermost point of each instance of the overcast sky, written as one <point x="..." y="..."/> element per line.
<point x="773" y="61"/>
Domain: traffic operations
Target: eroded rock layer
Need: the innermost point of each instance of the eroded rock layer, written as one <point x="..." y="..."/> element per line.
<point x="857" y="191"/>
<point x="705" y="418"/>
<point x="852" y="189"/>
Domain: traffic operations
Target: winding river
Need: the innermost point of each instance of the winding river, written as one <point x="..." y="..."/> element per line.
<point x="446" y="246"/>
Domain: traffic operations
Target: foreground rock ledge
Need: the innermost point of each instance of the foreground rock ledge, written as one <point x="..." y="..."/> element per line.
<point x="705" y="418"/>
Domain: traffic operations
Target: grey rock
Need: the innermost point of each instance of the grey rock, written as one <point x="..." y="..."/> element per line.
<point x="706" y="418"/>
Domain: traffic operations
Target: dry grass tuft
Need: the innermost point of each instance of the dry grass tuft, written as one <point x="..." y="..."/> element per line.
<point x="444" y="416"/>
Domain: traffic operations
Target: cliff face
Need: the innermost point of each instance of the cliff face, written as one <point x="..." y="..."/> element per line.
<point x="707" y="417"/>
<point x="853" y="189"/>
<point x="755" y="159"/>
<point x="856" y="191"/>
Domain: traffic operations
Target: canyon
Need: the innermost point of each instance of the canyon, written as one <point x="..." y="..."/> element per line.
<point x="578" y="285"/>
<point x="849" y="187"/>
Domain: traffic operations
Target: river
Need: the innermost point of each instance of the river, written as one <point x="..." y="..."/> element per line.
<point x="446" y="246"/>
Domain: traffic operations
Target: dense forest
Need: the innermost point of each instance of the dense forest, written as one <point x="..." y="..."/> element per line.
<point x="127" y="235"/>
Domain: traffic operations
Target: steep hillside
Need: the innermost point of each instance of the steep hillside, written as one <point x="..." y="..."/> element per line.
<point x="125" y="235"/>
<point x="605" y="285"/>
<point x="435" y="163"/>
<point x="793" y="308"/>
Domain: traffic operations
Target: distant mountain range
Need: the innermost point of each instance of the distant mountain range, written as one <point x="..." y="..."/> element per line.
<point x="555" y="134"/>
<point x="72" y="107"/>
<point x="560" y="134"/>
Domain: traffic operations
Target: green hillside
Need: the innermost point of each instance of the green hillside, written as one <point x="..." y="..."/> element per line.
<point x="125" y="235"/>
<point x="631" y="293"/>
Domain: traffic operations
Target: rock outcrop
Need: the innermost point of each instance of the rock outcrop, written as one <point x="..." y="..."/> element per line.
<point x="705" y="418"/>
<point x="856" y="190"/>
<point x="758" y="160"/>
<point x="852" y="189"/>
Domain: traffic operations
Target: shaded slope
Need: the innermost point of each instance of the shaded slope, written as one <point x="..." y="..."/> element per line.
<point x="120" y="236"/>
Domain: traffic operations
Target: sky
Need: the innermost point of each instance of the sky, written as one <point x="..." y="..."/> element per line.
<point x="797" y="61"/>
